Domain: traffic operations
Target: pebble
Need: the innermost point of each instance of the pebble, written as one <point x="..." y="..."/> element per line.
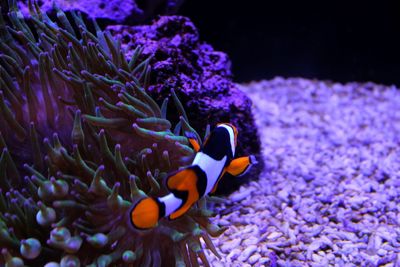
<point x="381" y="252"/>
<point x="328" y="195"/>
<point x="330" y="257"/>
<point x="217" y="264"/>
<point x="254" y="259"/>
<point x="250" y="241"/>
<point x="247" y="253"/>
<point x="233" y="254"/>
<point x="228" y="246"/>
<point x="239" y="196"/>
<point x="264" y="260"/>
<point x="316" y="257"/>
<point x="224" y="222"/>
<point x="274" y="235"/>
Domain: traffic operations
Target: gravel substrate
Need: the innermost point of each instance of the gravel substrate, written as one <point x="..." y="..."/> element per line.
<point x="329" y="195"/>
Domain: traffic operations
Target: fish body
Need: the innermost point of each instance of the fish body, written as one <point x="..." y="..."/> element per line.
<point x="189" y="184"/>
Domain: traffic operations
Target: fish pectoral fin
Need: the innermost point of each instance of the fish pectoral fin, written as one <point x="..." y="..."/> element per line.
<point x="145" y="214"/>
<point x="193" y="141"/>
<point x="194" y="144"/>
<point x="240" y="166"/>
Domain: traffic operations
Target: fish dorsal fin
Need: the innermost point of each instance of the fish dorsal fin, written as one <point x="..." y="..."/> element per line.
<point x="180" y="179"/>
<point x="194" y="144"/>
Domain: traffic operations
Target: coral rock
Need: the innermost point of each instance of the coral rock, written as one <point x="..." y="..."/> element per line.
<point x="200" y="75"/>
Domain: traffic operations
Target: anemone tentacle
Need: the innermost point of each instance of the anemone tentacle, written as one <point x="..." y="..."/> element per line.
<point x="81" y="141"/>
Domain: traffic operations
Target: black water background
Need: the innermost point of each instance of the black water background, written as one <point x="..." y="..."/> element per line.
<point x="336" y="40"/>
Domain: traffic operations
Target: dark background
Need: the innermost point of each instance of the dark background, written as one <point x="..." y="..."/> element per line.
<point x="340" y="41"/>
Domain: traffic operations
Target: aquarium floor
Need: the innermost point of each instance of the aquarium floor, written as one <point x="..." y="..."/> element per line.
<point x="329" y="195"/>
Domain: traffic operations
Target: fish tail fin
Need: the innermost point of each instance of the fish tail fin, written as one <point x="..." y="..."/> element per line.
<point x="145" y="213"/>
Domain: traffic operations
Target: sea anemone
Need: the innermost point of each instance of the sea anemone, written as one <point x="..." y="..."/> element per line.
<point x="81" y="142"/>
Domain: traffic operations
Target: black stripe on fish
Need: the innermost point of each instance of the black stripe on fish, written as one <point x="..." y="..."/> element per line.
<point x="161" y="208"/>
<point x="218" y="144"/>
<point x="201" y="185"/>
<point x="201" y="180"/>
<point x="183" y="195"/>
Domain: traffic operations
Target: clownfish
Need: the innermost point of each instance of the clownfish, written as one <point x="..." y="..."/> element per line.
<point x="188" y="185"/>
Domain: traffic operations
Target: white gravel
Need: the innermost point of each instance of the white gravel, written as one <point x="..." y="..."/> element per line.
<point x="329" y="195"/>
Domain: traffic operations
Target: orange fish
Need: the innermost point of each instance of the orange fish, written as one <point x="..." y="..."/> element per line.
<point x="188" y="185"/>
